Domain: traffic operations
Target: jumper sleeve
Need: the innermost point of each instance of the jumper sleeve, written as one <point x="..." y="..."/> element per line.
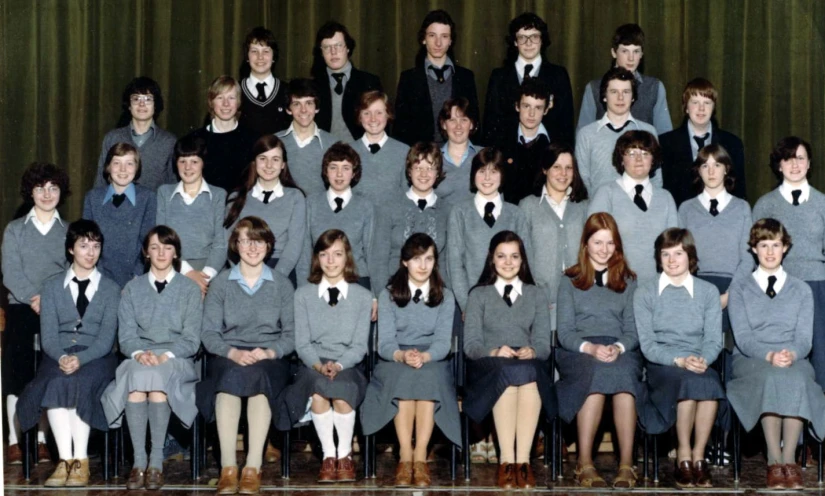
<point x="566" y="317"/>
<point x="303" y="334"/>
<point x="583" y="156"/>
<point x="540" y="331"/>
<point x="216" y="258"/>
<point x="186" y="346"/>
<point x="49" y="323"/>
<point x="372" y="257"/>
<point x="661" y="114"/>
<point x="381" y="250"/>
<point x="746" y="341"/>
<point x="587" y="113"/>
<point x="357" y="348"/>
<point x="746" y="264"/>
<point x="305" y="258"/>
<point x="443" y="328"/>
<point x="127" y="334"/>
<point x="107" y="331"/>
<point x="672" y="212"/>
<point x="146" y="224"/>
<point x="213" y="322"/>
<point x="602" y="201"/>
<point x="804" y="324"/>
<point x="455" y="258"/>
<point x="297" y="231"/>
<point x="14" y="278"/>
<point x="630" y="336"/>
<point x="285" y="344"/>
<point x="712" y="341"/>
<point x="474" y="346"/>
<point x="387" y="329"/>
<point x="644" y="303"/>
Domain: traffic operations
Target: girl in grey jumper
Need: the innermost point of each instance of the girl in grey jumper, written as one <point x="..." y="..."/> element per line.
<point x="599" y="352"/>
<point x="679" y="321"/>
<point x="248" y="328"/>
<point x="507" y="342"/>
<point x="332" y="325"/>
<point x="457" y="125"/>
<point x="413" y="383"/>
<point x="270" y="193"/>
<point x="159" y="326"/>
<point x="642" y="210"/>
<point x="194" y="209"/>
<point x="555" y="218"/>
<point x="77" y="330"/>
<point x="32" y="251"/>
<point x="773" y="383"/>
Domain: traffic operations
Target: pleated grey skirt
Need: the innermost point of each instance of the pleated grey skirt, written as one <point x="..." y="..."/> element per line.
<point x="176" y="377"/>
<point x="668" y="385"/>
<point x="488" y="377"/>
<point x="349" y="385"/>
<point x="582" y="375"/>
<point x="393" y="381"/>
<point x="757" y="388"/>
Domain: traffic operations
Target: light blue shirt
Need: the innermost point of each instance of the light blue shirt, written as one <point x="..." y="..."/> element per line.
<point x="694" y="146"/>
<point x="470" y="146"/>
<point x="235" y="275"/>
<point x="542" y="130"/>
<point x="129" y="192"/>
<point x="447" y="73"/>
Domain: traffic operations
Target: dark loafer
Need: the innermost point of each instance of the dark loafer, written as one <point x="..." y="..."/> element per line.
<point x="701" y="474"/>
<point x="506" y="475"/>
<point x="136" y="480"/>
<point x="525" y="477"/>
<point x="776" y="476"/>
<point x="154" y="479"/>
<point x="684" y="474"/>
<point x="328" y="472"/>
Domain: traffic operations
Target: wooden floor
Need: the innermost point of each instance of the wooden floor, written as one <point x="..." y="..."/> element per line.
<point x="304" y="467"/>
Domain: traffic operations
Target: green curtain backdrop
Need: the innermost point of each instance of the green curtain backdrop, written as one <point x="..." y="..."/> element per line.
<point x="64" y="63"/>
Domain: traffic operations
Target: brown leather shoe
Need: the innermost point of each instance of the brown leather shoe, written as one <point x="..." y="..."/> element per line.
<point x="793" y="477"/>
<point x="404" y="474"/>
<point x="60" y="474"/>
<point x="250" y="481"/>
<point x="506" y="476"/>
<point x="78" y="473"/>
<point x="776" y="476"/>
<point x="524" y="476"/>
<point x="228" y="483"/>
<point x="346" y="469"/>
<point x="154" y="479"/>
<point x="14" y="455"/>
<point x="272" y="454"/>
<point x="684" y="474"/>
<point x="328" y="471"/>
<point x="421" y="474"/>
<point x="136" y="480"/>
<point x="701" y="474"/>
<point x="43" y="454"/>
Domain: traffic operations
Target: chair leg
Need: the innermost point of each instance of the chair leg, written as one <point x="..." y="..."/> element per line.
<point x="285" y="452"/>
<point x="27" y="464"/>
<point x="550" y="442"/>
<point x="195" y="448"/>
<point x="453" y="461"/>
<point x="465" y="438"/>
<point x="804" y="457"/>
<point x="106" y="456"/>
<point x="645" y="457"/>
<point x="655" y="459"/>
<point x="737" y="447"/>
<point x="819" y="463"/>
<point x="118" y="448"/>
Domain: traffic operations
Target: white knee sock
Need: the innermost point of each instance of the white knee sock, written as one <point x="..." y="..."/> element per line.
<point x="80" y="435"/>
<point x="14" y="425"/>
<point x="345" y="425"/>
<point x="42" y="428"/>
<point x="324" y="427"/>
<point x="62" y="430"/>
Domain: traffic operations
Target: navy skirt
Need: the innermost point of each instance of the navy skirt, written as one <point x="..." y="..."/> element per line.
<point x="668" y="385"/>
<point x="488" y="377"/>
<point x="19" y="356"/>
<point x="818" y="348"/>
<point x="51" y="388"/>
<point x="267" y="377"/>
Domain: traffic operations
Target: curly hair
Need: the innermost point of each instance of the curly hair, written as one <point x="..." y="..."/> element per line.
<point x="40" y="173"/>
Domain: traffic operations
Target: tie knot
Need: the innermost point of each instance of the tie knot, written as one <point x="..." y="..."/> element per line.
<point x="617" y="129"/>
<point x="771" y="280"/>
<point x="489" y="207"/>
<point x="507" y="290"/>
<point x="796" y="194"/>
<point x="422" y="204"/>
<point x="118" y="199"/>
<point x="261" y="87"/>
<point x="417" y="296"/>
<point x="82" y="285"/>
<point x="639" y="189"/>
<point x="714" y="203"/>
<point x="333" y="296"/>
<point x="338" y="76"/>
<point x="527" y="70"/>
<point x="267" y="195"/>
<point x="375" y="147"/>
<point x="700" y="140"/>
<point x="160" y="285"/>
<point x="339" y="204"/>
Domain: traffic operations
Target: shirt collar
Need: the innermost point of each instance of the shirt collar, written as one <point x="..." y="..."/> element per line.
<point x="551" y="201"/>
<point x="152" y="128"/>
<point x="430" y="198"/>
<point x="129" y="192"/>
<point x="425" y="290"/>
<point x="692" y="132"/>
<point x="152" y="277"/>
<point x="204" y="189"/>
<point x="332" y="195"/>
<point x="270" y="81"/>
<point x="447" y="63"/>
<point x="605" y="119"/>
<point x="520" y="63"/>
<point x="235" y="275"/>
<point x="480" y="202"/>
<point x="628" y="184"/>
<point x="94" y="278"/>
<point x="32" y="215"/>
<point x="347" y="70"/>
<point x="500" y="283"/>
<point x="786" y="189"/>
<point x="723" y="198"/>
<point x="762" y="278"/>
<point x="213" y="129"/>
<point x="258" y="191"/>
<point x="446" y="155"/>
<point x="324" y="285"/>
<point x="665" y="281"/>
<point x="542" y="130"/>
<point x="381" y="142"/>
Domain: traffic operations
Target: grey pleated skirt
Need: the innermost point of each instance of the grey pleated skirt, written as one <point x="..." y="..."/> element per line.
<point x="581" y="375"/>
<point x="349" y="385"/>
<point x="668" y="385"/>
<point x="757" y="388"/>
<point x="393" y="381"/>
<point x="176" y="377"/>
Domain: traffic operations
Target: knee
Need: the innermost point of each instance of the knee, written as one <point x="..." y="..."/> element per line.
<point x="157" y="397"/>
<point x="341" y="406"/>
<point x="137" y="396"/>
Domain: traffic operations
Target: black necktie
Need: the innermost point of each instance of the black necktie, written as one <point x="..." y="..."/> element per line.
<point x="333" y="296"/>
<point x="375" y="148"/>
<point x="488" y="214"/>
<point x="339" y="82"/>
<point x="700" y="140"/>
<point x="620" y="129"/>
<point x="267" y="194"/>
<point x="417" y="296"/>
<point x="796" y="194"/>
<point x="82" y="301"/>
<point x="439" y="73"/>
<point x="770" y="291"/>
<point x="160" y="285"/>
<point x="600" y="277"/>
<point x="507" y="290"/>
<point x="339" y="204"/>
<point x="638" y="200"/>
<point x="714" y="211"/>
<point x="422" y="204"/>
<point x="261" y="91"/>
<point x="527" y="70"/>
<point x="117" y="200"/>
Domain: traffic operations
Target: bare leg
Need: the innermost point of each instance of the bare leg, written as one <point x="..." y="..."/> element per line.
<point x="624" y="417"/>
<point x="685" y="420"/>
<point x="404" y="421"/>
<point x="424" y="424"/>
<point x="587" y="421"/>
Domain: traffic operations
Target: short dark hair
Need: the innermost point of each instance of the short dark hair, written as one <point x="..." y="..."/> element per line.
<point x="419" y="151"/>
<point x="487" y="156"/>
<point x="642" y="140"/>
<point x="786" y="149"/>
<point x="628" y="34"/>
<point x="676" y="236"/>
<point x="619" y="74"/>
<point x="535" y="88"/>
<point x="142" y="85"/>
<point x="40" y="173"/>
<point x="81" y="229"/>
<point x="721" y="156"/>
<point x="340" y="152"/>
<point x="527" y="20"/>
<point x="256" y="230"/>
<point x="463" y="105"/>
<point x="766" y="230"/>
<point x="120" y="150"/>
<point x="261" y="36"/>
<point x="166" y="236"/>
<point x="324" y="242"/>
<point x="399" y="287"/>
<point x="578" y="191"/>
<point x="189" y="146"/>
<point x="439" y="16"/>
<point x="302" y="88"/>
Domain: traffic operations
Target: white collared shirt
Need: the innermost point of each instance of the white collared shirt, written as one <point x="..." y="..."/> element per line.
<point x="302" y="143"/>
<point x="91" y="289"/>
<point x="520" y="63"/>
<point x="786" y="189"/>
<point x="43" y="228"/>
<point x="425" y="290"/>
<point x="527" y="139"/>
<point x="557" y="207"/>
<point x="381" y="142"/>
<point x="179" y="190"/>
<point x="480" y="202"/>
<point x="606" y="119"/>
<point x="694" y="146"/>
<point x="430" y="198"/>
<point x="723" y="198"/>
<point x="332" y="195"/>
<point x="628" y="184"/>
<point x="516" y="291"/>
<point x="324" y="285"/>
<point x="252" y="82"/>
<point x="665" y="281"/>
<point x="213" y="128"/>
<point x="258" y="191"/>
<point x="168" y="279"/>
<point x="762" y="278"/>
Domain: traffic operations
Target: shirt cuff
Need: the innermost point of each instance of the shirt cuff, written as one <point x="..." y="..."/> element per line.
<point x="136" y="353"/>
<point x="170" y="354"/>
<point x="185" y="268"/>
<point x="340" y="367"/>
<point x="620" y="346"/>
<point x="210" y="272"/>
<point x="581" y="348"/>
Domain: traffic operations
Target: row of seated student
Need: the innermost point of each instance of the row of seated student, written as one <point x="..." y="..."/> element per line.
<point x="551" y="226"/>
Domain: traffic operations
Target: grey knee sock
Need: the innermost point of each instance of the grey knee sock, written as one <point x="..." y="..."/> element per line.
<point x="159" y="414"/>
<point x="137" y="415"/>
